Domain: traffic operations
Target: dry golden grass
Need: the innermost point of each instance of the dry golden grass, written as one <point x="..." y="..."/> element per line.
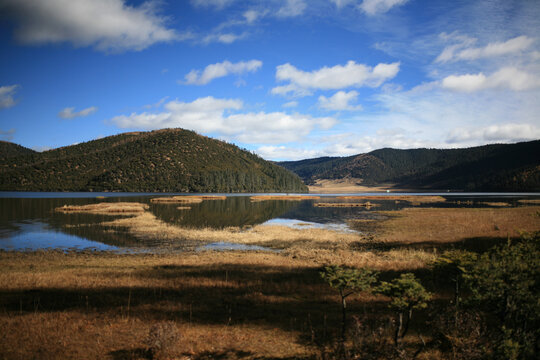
<point x="113" y="208"/>
<point x="410" y="198"/>
<point x="213" y="197"/>
<point x="101" y="306"/>
<point x="228" y="305"/>
<point x="529" y="201"/>
<point x="177" y="200"/>
<point x="350" y="185"/>
<point x="416" y="225"/>
<point x="283" y="197"/>
<point x="190" y="199"/>
<point x="366" y="205"/>
<point x="495" y="204"/>
<point x="313" y="246"/>
<point x="147" y="226"/>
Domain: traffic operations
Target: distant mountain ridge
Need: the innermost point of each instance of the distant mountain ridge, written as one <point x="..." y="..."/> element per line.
<point x="499" y="167"/>
<point x="170" y="160"/>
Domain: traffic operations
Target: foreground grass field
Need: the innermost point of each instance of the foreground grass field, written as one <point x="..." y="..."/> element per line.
<point x="230" y="305"/>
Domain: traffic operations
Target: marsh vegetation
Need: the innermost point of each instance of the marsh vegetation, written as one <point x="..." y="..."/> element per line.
<point x="400" y="292"/>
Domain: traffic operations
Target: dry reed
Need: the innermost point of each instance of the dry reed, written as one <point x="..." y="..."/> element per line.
<point x="495" y="204"/>
<point x="410" y="198"/>
<point x="193" y="199"/>
<point x="147" y="226"/>
<point x="213" y="197"/>
<point x="283" y="197"/>
<point x="177" y="200"/>
<point x="529" y="201"/>
<point x="113" y="208"/>
<point x="417" y="225"/>
<point x="366" y="204"/>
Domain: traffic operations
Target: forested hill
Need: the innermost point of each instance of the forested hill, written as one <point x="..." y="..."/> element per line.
<point x="172" y="160"/>
<point x="512" y="167"/>
<point x="8" y="150"/>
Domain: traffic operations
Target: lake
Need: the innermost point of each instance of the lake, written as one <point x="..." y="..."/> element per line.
<point x="28" y="220"/>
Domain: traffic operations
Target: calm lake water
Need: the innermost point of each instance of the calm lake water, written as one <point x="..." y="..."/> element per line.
<point x="28" y="220"/>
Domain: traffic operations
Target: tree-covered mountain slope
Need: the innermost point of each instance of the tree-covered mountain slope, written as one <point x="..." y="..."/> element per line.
<point x="9" y="150"/>
<point x="171" y="160"/>
<point x="500" y="167"/>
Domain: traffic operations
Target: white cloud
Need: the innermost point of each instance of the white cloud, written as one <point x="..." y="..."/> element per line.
<point x="157" y="104"/>
<point x="224" y="38"/>
<point x="42" y="148"/>
<point x="463" y="51"/>
<point x="430" y="113"/>
<point x="107" y="25"/>
<point x="278" y="153"/>
<point x="340" y="101"/>
<point x="217" y="4"/>
<point x="370" y="7"/>
<point x="252" y="15"/>
<point x="513" y="132"/>
<point x="214" y="71"/>
<point x="373" y="7"/>
<point x="346" y="144"/>
<point x="290" y="88"/>
<point x="6" y="96"/>
<point x="354" y="144"/>
<point x="275" y="127"/>
<point x="333" y="78"/>
<point x="506" y="78"/>
<point x="290" y="104"/>
<point x="459" y="41"/>
<point x="466" y="83"/>
<point x="212" y="116"/>
<point x="7" y="135"/>
<point x="292" y="8"/>
<point x="342" y="3"/>
<point x="68" y="113"/>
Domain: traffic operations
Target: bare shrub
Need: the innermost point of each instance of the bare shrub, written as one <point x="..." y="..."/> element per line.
<point x="462" y="334"/>
<point x="161" y="339"/>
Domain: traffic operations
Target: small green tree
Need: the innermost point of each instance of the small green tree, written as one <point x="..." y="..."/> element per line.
<point x="453" y="265"/>
<point x="505" y="282"/>
<point x="348" y="281"/>
<point x="406" y="294"/>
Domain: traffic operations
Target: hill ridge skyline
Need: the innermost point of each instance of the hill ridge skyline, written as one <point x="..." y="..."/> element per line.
<point x="170" y="160"/>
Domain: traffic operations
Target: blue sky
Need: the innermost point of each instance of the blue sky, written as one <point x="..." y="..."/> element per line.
<point x="287" y="79"/>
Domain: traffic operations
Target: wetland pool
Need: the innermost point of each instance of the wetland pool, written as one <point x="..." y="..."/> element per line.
<point x="28" y="220"/>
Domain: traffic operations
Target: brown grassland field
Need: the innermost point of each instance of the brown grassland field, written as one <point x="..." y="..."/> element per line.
<point x="232" y="304"/>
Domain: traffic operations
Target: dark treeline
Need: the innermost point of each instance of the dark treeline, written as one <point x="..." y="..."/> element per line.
<point x="514" y="167"/>
<point x="172" y="160"/>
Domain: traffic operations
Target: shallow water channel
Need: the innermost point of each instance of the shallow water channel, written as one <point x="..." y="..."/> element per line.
<point x="28" y="220"/>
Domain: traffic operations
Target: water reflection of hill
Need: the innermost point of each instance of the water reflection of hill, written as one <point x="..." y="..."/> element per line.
<point x="29" y="210"/>
<point x="324" y="215"/>
<point x="235" y="211"/>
